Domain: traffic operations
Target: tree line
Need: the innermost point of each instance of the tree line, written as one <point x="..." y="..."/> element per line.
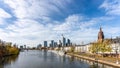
<point x="6" y="49"/>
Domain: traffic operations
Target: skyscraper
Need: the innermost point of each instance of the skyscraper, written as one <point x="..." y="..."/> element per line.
<point x="52" y="43"/>
<point x="45" y="43"/>
<point x="39" y="46"/>
<point x="68" y="42"/>
<point x="55" y="44"/>
<point x="60" y="43"/>
<point x="64" y="41"/>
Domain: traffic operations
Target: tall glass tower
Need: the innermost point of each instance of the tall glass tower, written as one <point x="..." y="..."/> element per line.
<point x="52" y="43"/>
<point x="45" y="43"/>
<point x="68" y="42"/>
<point x="64" y="41"/>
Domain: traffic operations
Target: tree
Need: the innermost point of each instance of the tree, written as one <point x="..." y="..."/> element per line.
<point x="6" y="48"/>
<point x="105" y="46"/>
<point x="72" y="48"/>
<point x="93" y="48"/>
<point x="98" y="47"/>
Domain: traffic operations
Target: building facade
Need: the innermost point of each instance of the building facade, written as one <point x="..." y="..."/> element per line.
<point x="52" y="43"/>
<point x="68" y="42"/>
<point x="64" y="41"/>
<point x="45" y="44"/>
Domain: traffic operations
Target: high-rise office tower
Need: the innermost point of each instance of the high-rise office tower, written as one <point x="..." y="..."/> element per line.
<point x="68" y="42"/>
<point x="52" y="43"/>
<point x="45" y="43"/>
<point x="64" y="41"/>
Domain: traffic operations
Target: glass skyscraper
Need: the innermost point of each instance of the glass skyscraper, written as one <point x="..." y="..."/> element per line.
<point x="68" y="42"/>
<point x="45" y="43"/>
<point x="52" y="43"/>
<point x="64" y="41"/>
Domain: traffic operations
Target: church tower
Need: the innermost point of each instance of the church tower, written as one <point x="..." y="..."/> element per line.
<point x="100" y="35"/>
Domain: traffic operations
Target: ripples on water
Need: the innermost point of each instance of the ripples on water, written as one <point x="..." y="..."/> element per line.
<point x="44" y="59"/>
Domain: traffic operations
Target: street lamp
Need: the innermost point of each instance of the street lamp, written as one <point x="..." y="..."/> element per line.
<point x="117" y="56"/>
<point x="116" y="50"/>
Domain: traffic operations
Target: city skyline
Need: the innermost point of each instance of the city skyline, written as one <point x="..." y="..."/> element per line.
<point x="33" y="21"/>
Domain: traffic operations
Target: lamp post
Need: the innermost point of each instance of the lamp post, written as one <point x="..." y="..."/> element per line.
<point x="116" y="50"/>
<point x="117" y="56"/>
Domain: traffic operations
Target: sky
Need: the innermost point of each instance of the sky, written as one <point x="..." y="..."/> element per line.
<point x="30" y="22"/>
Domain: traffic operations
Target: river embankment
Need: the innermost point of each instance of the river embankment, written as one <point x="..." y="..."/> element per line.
<point x="95" y="60"/>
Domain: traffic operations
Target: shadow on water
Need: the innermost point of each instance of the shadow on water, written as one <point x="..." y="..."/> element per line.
<point x="7" y="60"/>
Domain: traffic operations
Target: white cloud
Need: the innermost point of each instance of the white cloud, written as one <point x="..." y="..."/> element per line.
<point x="76" y="28"/>
<point x="36" y="8"/>
<point x="4" y="14"/>
<point x="112" y="31"/>
<point x="22" y="24"/>
<point x="71" y="22"/>
<point x="31" y="32"/>
<point x="87" y="24"/>
<point x="24" y="32"/>
<point x="27" y="30"/>
<point x="1" y="21"/>
<point x="86" y="35"/>
<point x="111" y="7"/>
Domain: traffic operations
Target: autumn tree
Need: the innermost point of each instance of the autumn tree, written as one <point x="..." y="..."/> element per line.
<point x="100" y="47"/>
<point x="94" y="48"/>
<point x="105" y="46"/>
<point x="72" y="48"/>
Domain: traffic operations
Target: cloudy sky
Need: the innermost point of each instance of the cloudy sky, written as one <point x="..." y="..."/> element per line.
<point x="31" y="22"/>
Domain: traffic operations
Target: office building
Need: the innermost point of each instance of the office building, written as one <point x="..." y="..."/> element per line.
<point x="64" y="41"/>
<point x="52" y="43"/>
<point x="68" y="42"/>
<point x="45" y="43"/>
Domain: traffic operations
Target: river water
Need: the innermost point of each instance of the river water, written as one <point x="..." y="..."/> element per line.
<point x="46" y="59"/>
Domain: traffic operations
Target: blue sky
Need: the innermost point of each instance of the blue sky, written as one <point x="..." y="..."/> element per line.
<point x="31" y="22"/>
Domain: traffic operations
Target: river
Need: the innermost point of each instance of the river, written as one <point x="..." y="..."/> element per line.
<point x="46" y="59"/>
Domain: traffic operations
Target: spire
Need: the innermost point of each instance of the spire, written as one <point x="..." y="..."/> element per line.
<point x="100" y="28"/>
<point x="100" y="35"/>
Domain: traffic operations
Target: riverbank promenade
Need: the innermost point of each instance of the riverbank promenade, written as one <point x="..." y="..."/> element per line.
<point x="102" y="60"/>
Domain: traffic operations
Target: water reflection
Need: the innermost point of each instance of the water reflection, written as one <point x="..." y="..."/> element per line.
<point x="7" y="60"/>
<point x="45" y="55"/>
<point x="94" y="65"/>
<point x="72" y="59"/>
<point x="46" y="59"/>
<point x="91" y="64"/>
